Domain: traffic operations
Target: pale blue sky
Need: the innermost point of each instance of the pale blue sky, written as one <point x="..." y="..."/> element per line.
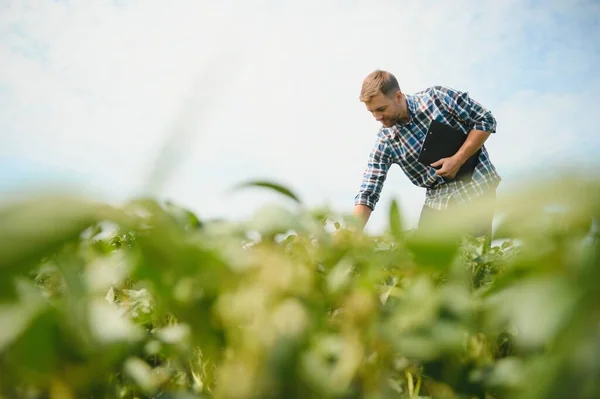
<point x="90" y="91"/>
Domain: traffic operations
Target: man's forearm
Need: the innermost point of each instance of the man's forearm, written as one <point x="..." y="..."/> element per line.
<point x="363" y="213"/>
<point x="474" y="142"/>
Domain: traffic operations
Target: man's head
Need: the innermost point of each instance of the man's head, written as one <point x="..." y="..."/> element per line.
<point x="382" y="96"/>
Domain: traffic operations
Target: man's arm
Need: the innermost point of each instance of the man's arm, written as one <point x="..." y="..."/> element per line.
<point x="362" y="212"/>
<point x="473" y="114"/>
<point x="475" y="140"/>
<point x="374" y="176"/>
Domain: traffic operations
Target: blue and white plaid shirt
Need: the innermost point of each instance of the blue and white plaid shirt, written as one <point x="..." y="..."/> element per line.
<point x="401" y="144"/>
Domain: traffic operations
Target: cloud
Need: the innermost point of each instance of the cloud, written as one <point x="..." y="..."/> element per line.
<point x="270" y="90"/>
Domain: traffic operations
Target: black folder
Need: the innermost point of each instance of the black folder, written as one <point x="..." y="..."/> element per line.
<point x="443" y="141"/>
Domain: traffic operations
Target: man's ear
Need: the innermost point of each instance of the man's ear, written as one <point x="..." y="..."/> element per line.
<point x="399" y="96"/>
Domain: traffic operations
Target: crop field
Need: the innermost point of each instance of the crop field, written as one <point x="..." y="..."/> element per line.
<point x="148" y="300"/>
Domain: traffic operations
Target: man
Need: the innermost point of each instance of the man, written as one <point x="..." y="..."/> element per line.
<point x="405" y="119"/>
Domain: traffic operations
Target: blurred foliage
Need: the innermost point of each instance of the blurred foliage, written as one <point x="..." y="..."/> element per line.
<point x="148" y="301"/>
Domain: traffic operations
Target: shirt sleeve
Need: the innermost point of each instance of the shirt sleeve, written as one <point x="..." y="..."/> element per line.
<point x="466" y="109"/>
<point x="375" y="173"/>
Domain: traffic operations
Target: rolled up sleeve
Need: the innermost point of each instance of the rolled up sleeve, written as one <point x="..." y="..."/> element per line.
<point x="374" y="174"/>
<point x="466" y="109"/>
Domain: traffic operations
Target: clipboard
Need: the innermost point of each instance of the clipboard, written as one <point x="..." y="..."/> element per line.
<point x="443" y="141"/>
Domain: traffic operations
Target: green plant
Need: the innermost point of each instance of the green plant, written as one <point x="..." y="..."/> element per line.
<point x="147" y="300"/>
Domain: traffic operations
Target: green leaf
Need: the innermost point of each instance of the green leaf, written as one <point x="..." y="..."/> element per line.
<point x="270" y="185"/>
<point x="16" y="317"/>
<point x="435" y="252"/>
<point x="34" y="228"/>
<point x="396" y="220"/>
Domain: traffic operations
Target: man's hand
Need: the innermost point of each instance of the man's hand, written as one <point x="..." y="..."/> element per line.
<point x="448" y="167"/>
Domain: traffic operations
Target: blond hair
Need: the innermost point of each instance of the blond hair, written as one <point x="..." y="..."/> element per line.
<point x="378" y="81"/>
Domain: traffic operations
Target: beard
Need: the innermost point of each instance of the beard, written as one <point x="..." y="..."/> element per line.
<point x="400" y="117"/>
<point x="389" y="122"/>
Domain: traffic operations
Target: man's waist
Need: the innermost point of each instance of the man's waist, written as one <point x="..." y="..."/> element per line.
<point x="476" y="185"/>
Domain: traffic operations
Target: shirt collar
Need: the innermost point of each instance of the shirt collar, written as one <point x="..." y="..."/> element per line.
<point x="411" y="108"/>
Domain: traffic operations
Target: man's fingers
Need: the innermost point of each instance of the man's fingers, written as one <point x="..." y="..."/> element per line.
<point x="438" y="163"/>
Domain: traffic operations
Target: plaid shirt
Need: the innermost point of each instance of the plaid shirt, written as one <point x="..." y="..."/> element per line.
<point x="401" y="144"/>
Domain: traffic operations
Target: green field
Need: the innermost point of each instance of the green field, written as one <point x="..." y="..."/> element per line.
<point x="149" y="300"/>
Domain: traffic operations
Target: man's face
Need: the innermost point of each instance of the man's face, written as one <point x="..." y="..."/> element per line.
<point x="386" y="110"/>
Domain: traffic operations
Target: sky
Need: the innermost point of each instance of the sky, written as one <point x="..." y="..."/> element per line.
<point x="94" y="94"/>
